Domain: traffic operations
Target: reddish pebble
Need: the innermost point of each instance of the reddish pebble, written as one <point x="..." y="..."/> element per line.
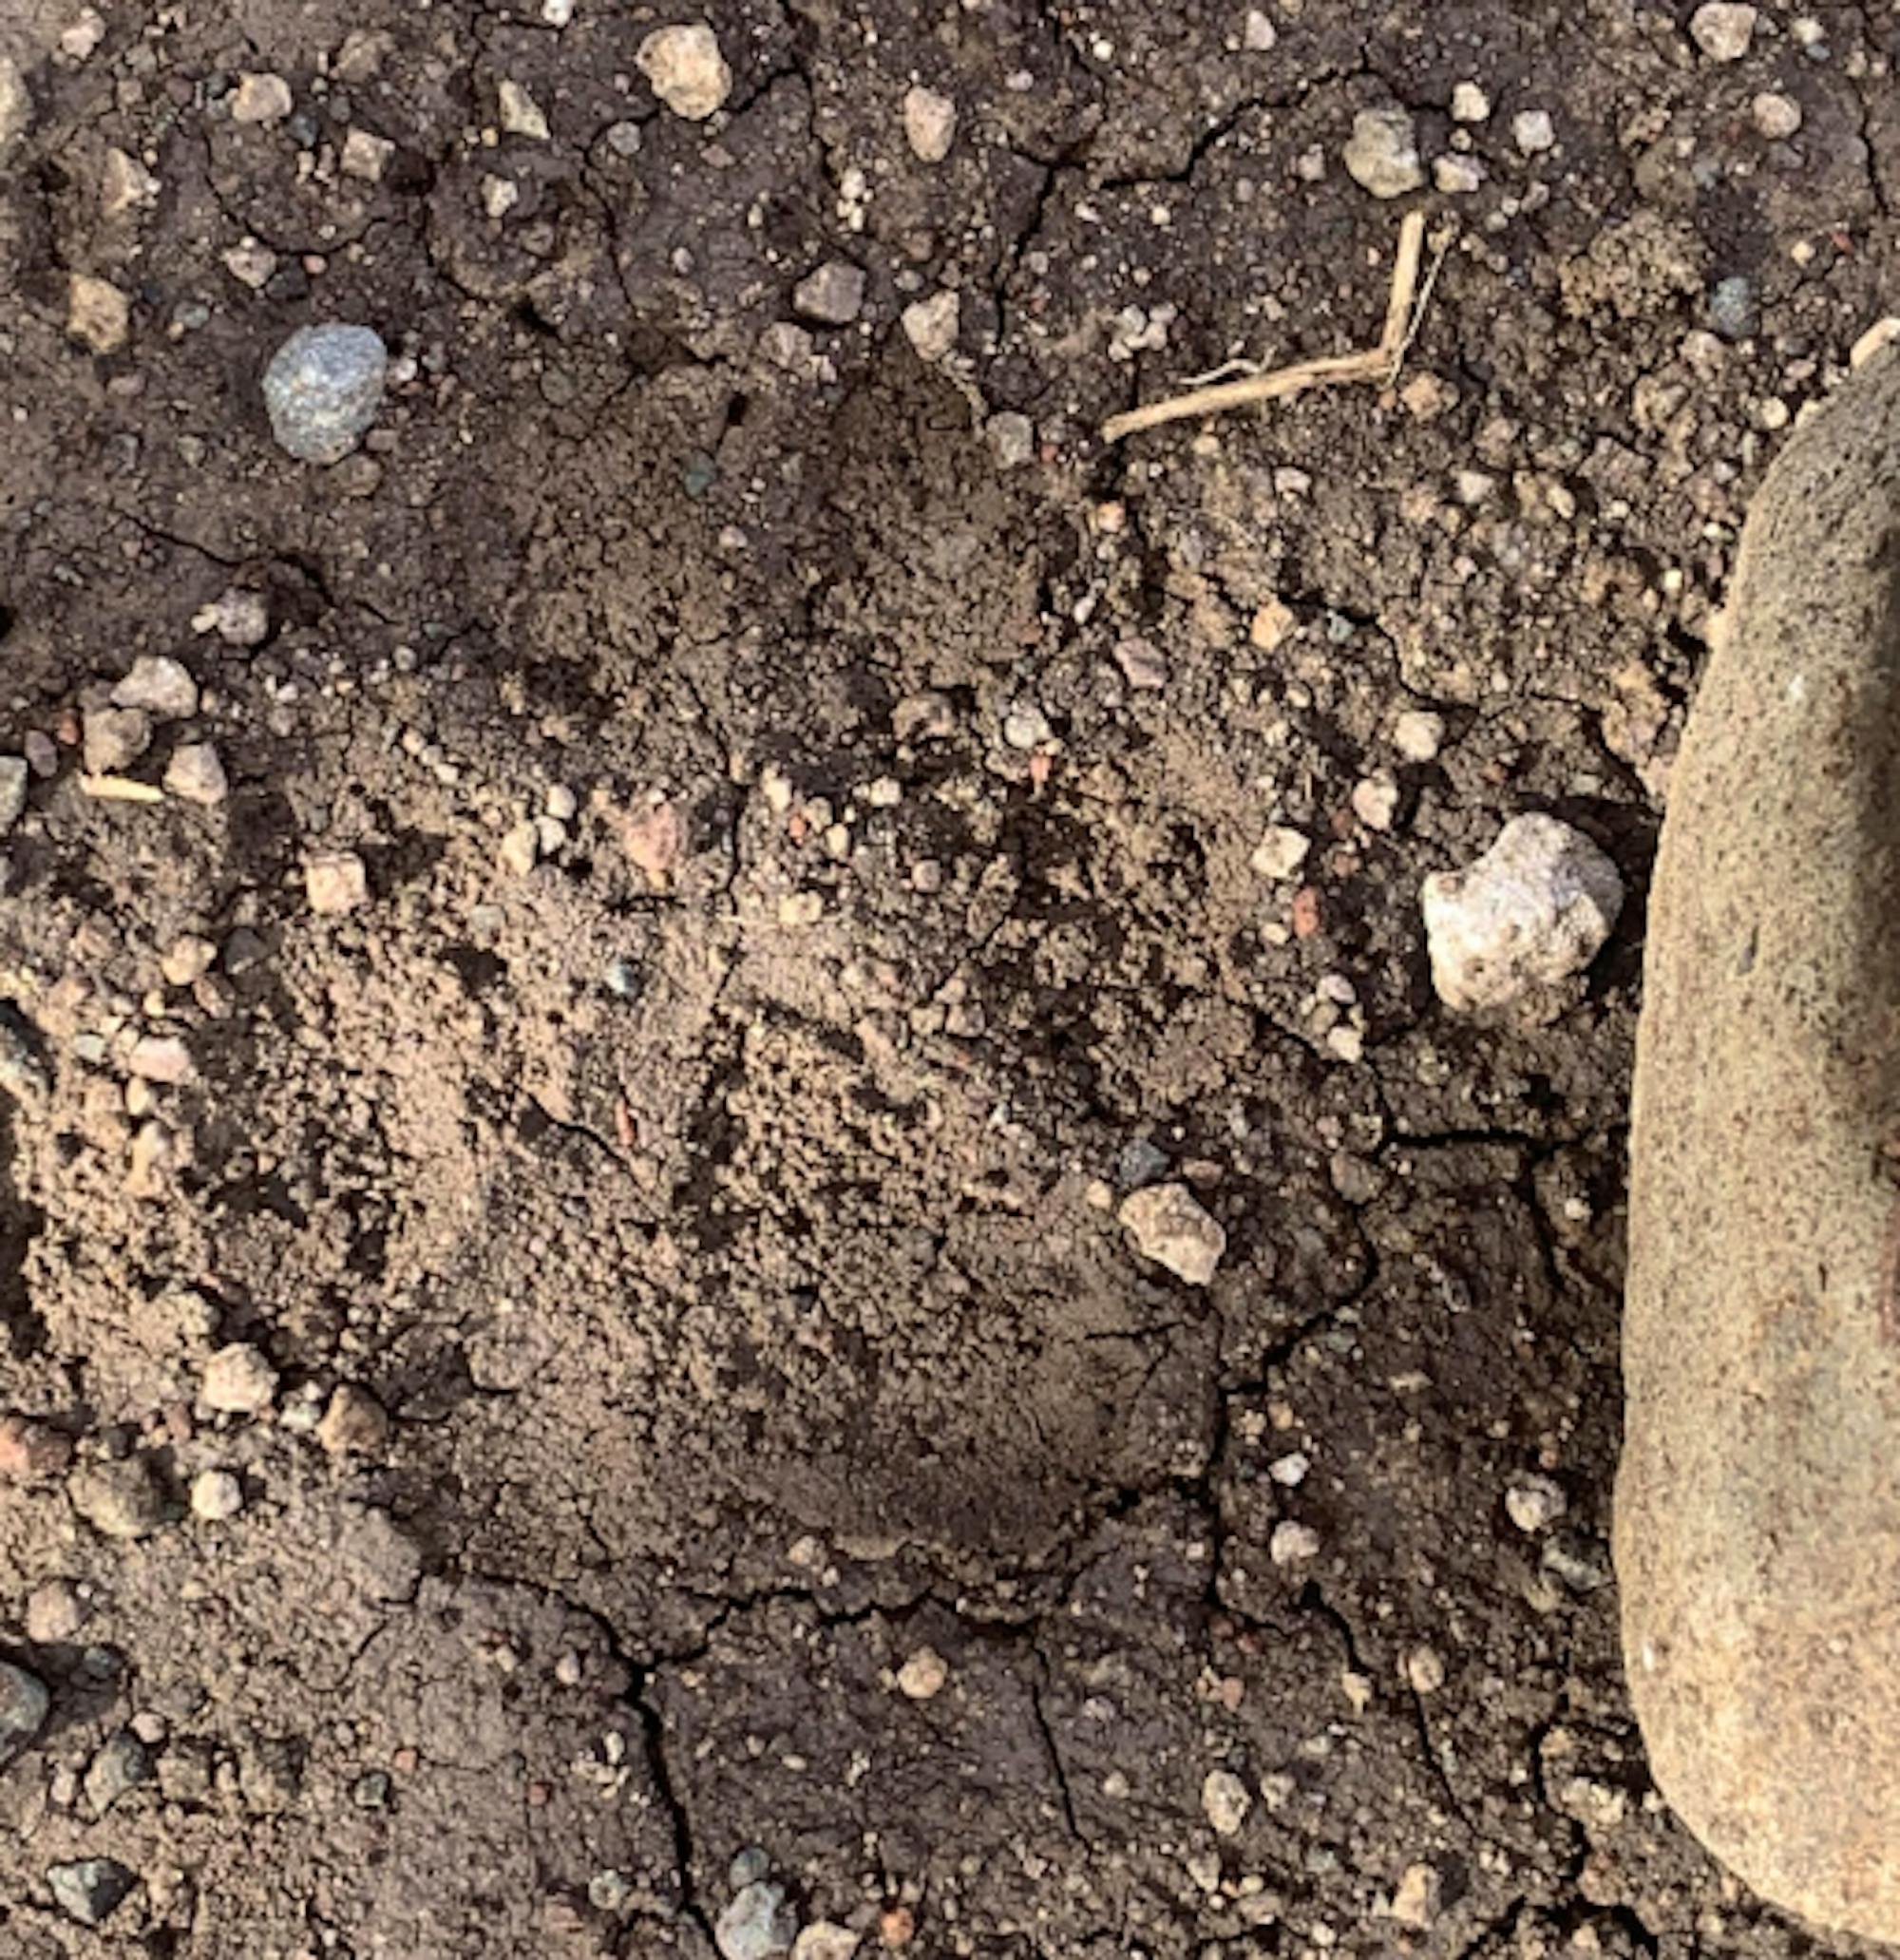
<point x="29" y="1449"/>
<point x="897" y="1926"/>
<point x="538" y="1796"/>
<point x="403" y="1762"/>
<point x="1305" y="912"/>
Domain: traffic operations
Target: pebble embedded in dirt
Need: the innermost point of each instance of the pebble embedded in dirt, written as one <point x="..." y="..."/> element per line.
<point x="31" y="1450"/>
<point x="1723" y="29"/>
<point x="55" y="1611"/>
<point x="1534" y="1503"/>
<point x="24" y="1705"/>
<point x="89" y="1891"/>
<point x="1532" y="131"/>
<point x="1226" y="1802"/>
<point x="834" y="293"/>
<point x="929" y="124"/>
<point x="521" y="114"/>
<point x="1012" y="438"/>
<point x="685" y="68"/>
<point x="1470" y="104"/>
<point x="1381" y="155"/>
<point x="195" y="774"/>
<point x="922" y="1676"/>
<point x="931" y="325"/>
<point x="1418" y="734"/>
<point x="113" y="738"/>
<point x="161" y="1058"/>
<point x="97" y="312"/>
<point x="335" y="882"/>
<point x="1533" y="910"/>
<point x="355" y="1423"/>
<point x="757" y="1922"/>
<point x="119" y="1500"/>
<point x="260" y="98"/>
<point x="216" y="1495"/>
<point x="824" y="1939"/>
<point x="15" y="777"/>
<point x="16" y="104"/>
<point x="160" y="686"/>
<point x="1735" y="311"/>
<point x="1776" y="116"/>
<point x="1280" y="852"/>
<point x="238" y="1381"/>
<point x="239" y="617"/>
<point x="121" y="1763"/>
<point x="323" y="389"/>
<point x="1416" y="1901"/>
<point x="1169" y="1227"/>
<point x="1292" y="1544"/>
<point x="365" y="156"/>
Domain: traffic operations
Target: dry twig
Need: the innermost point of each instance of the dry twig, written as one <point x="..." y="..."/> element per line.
<point x="1403" y="308"/>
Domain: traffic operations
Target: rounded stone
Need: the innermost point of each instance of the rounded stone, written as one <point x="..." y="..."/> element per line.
<point x="1757" y="1515"/>
<point x="323" y="389"/>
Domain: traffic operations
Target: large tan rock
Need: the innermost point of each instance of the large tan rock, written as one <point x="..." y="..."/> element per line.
<point x="1757" y="1529"/>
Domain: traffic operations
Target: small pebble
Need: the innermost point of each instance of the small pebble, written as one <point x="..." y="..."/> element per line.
<point x="1735" y="312"/>
<point x="1534" y="909"/>
<point x="335" y="882"/>
<point x="195" y="774"/>
<point x="239" y="617"/>
<point x="824" y="1939"/>
<point x="324" y="388"/>
<point x="161" y="1058"/>
<point x="1280" y="852"/>
<point x="118" y="1500"/>
<point x="162" y="687"/>
<point x="1534" y="1503"/>
<point x="929" y="124"/>
<point x="1425" y="1670"/>
<point x="1226" y="1802"/>
<point x="685" y="68"/>
<point x="1169" y="1227"/>
<point x="931" y="325"/>
<point x="23" y="1707"/>
<point x="520" y="113"/>
<point x="90" y="1890"/>
<point x="922" y="1676"/>
<point x="833" y="294"/>
<point x="187" y="960"/>
<point x="97" y="312"/>
<point x="16" y="104"/>
<point x="1456" y="175"/>
<point x="216" y="1494"/>
<point x="55" y="1611"/>
<point x="1532" y="130"/>
<point x="1777" y="117"/>
<point x="1416" y="1902"/>
<point x="1470" y="104"/>
<point x="1882" y="334"/>
<point x="757" y="1922"/>
<point x="1026" y="727"/>
<point x="1382" y="155"/>
<point x="125" y="184"/>
<point x="355" y="1423"/>
<point x="1292" y="1544"/>
<point x="121" y="1763"/>
<point x="1290" y="1471"/>
<point x="1375" y="802"/>
<point x="30" y="1451"/>
<point x="1418" y="734"/>
<point x="238" y="1381"/>
<point x="1011" y="437"/>
<point x="1142" y="664"/>
<point x="113" y="738"/>
<point x="15" y="777"/>
<point x="748" y="1866"/>
<point x="260" y="98"/>
<point x="1258" y="33"/>
<point x="366" y="157"/>
<point x="1722" y="30"/>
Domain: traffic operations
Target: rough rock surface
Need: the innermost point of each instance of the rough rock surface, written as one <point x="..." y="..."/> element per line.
<point x="1757" y="1519"/>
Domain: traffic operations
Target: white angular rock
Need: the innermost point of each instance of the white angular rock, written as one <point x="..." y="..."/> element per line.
<point x="1169" y="1227"/>
<point x="929" y="124"/>
<point x="685" y="68"/>
<point x="1722" y="30"/>
<point x="1382" y="153"/>
<point x="1534" y="909"/>
<point x="161" y="686"/>
<point x="930" y="325"/>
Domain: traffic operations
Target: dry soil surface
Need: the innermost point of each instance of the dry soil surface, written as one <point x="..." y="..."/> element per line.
<point x="807" y="792"/>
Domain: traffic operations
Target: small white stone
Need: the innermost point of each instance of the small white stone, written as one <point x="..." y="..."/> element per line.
<point x="216" y="1494"/>
<point x="365" y="156"/>
<point x="1169" y="1227"/>
<point x="1882" y="334"/>
<point x="1376" y="800"/>
<point x="519" y="113"/>
<point x="1777" y="117"/>
<point x="15" y="775"/>
<point x="250" y="263"/>
<point x="125" y="184"/>
<point x="1012" y="438"/>
<point x="16" y="104"/>
<point x="161" y="686"/>
<point x="1289" y="1470"/>
<point x="833" y="294"/>
<point x="195" y="774"/>
<point x="1722" y="30"/>
<point x="1470" y="104"/>
<point x="1280" y="852"/>
<point x="555" y="13"/>
<point x="1382" y="153"/>
<point x="1534" y="909"/>
<point x="1425" y="1670"/>
<point x="264" y="98"/>
<point x="85" y="33"/>
<point x="1457" y="177"/>
<point x="1225" y="1800"/>
<point x="1292" y="1544"/>
<point x="1532" y="130"/>
<point x="929" y="124"/>
<point x="825" y="1939"/>
<point x="1257" y="35"/>
<point x="335" y="882"/>
<point x="113" y="738"/>
<point x="520" y="848"/>
<point x="1026" y="727"/>
<point x="922" y="1676"/>
<point x="930" y="325"/>
<point x="238" y="1381"/>
<point x="240" y="619"/>
<point x="500" y="194"/>
<point x="161" y="1058"/>
<point x="1418" y="734"/>
<point x="1416" y="1902"/>
<point x="685" y="68"/>
<point x="97" y="312"/>
<point x="1533" y="1503"/>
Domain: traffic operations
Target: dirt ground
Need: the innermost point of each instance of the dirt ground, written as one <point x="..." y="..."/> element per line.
<point x="765" y="1439"/>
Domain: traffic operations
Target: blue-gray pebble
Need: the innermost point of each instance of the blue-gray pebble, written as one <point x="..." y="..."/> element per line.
<point x="323" y="388"/>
